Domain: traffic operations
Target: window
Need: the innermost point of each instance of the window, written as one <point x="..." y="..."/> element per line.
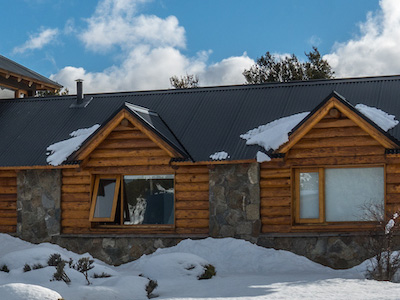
<point x="325" y="195"/>
<point x="133" y="200"/>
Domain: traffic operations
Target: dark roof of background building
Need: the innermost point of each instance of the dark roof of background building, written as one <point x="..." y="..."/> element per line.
<point x="11" y="66"/>
<point x="203" y="120"/>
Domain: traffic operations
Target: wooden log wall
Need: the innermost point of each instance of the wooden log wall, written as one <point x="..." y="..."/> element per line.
<point x="276" y="208"/>
<point x="191" y="199"/>
<point x="332" y="141"/>
<point x="129" y="151"/>
<point x="75" y="201"/>
<point x="393" y="184"/>
<point x="8" y="201"/>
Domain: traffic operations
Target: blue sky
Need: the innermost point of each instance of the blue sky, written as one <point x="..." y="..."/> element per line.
<point x="138" y="44"/>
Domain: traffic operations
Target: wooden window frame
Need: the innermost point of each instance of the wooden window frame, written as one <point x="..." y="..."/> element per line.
<point x="115" y="198"/>
<point x="120" y="192"/>
<point x="321" y="186"/>
<point x="321" y="194"/>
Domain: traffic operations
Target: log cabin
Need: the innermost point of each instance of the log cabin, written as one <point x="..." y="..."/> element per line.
<point x="294" y="166"/>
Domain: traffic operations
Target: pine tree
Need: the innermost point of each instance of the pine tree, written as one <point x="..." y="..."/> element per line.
<point x="185" y="82"/>
<point x="270" y="68"/>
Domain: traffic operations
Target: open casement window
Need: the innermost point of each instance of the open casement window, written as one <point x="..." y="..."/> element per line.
<point x="133" y="200"/>
<point x="330" y="195"/>
<point x="105" y="198"/>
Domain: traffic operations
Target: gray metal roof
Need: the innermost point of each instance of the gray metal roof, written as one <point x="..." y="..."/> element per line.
<point x="202" y="121"/>
<point x="15" y="68"/>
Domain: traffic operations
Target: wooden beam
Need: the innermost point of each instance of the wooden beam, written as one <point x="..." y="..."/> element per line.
<point x="43" y="85"/>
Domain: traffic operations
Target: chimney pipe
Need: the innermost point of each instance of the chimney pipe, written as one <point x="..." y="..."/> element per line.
<point x="79" y="91"/>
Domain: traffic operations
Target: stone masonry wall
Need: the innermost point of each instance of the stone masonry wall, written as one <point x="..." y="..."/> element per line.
<point x="115" y="249"/>
<point x="38" y="204"/>
<point x="339" y="251"/>
<point x="235" y="201"/>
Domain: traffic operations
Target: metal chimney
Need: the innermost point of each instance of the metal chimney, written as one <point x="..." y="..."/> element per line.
<point x="79" y="91"/>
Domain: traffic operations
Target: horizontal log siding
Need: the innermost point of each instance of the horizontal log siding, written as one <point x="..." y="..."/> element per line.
<point x="191" y="199"/>
<point x="275" y="190"/>
<point x="336" y="141"/>
<point x="129" y="151"/>
<point x="330" y="142"/>
<point x="393" y="184"/>
<point x="75" y="201"/>
<point x="8" y="201"/>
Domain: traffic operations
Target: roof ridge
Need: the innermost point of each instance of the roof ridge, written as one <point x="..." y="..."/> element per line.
<point x="251" y="86"/>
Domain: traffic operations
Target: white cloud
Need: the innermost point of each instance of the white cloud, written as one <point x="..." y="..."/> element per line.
<point x="227" y="71"/>
<point x="376" y="50"/>
<point x="315" y="41"/>
<point x="150" y="53"/>
<point x="147" y="68"/>
<point x="69" y="26"/>
<point x="38" y="41"/>
<point x="115" y="23"/>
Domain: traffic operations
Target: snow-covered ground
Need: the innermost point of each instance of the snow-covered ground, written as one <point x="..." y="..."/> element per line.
<point x="244" y="271"/>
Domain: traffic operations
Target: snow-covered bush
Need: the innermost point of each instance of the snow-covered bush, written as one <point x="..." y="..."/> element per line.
<point x="4" y="268"/>
<point x="27" y="268"/>
<point x="176" y="265"/>
<point x="209" y="271"/>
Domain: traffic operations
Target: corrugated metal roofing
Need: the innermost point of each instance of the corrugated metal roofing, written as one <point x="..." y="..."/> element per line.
<point x="203" y="120"/>
<point x="13" y="67"/>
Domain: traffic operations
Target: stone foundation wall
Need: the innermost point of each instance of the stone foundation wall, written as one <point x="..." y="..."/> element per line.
<point x="235" y="201"/>
<point x="38" y="204"/>
<point x="332" y="250"/>
<point x="339" y="252"/>
<point x="115" y="250"/>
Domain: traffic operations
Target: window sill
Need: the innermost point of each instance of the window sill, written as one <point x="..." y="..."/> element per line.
<point x="135" y="227"/>
<point x="336" y="227"/>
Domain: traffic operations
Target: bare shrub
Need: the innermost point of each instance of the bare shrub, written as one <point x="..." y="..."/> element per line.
<point x="60" y="273"/>
<point x="54" y="259"/>
<point x="37" y="266"/>
<point x="150" y="287"/>
<point x="386" y="261"/>
<point x="84" y="265"/>
<point x="101" y="275"/>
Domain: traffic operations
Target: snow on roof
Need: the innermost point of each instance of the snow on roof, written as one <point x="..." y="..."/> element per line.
<point x="60" y="151"/>
<point x="262" y="157"/>
<point x="219" y="155"/>
<point x="274" y="134"/>
<point x="379" y="117"/>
